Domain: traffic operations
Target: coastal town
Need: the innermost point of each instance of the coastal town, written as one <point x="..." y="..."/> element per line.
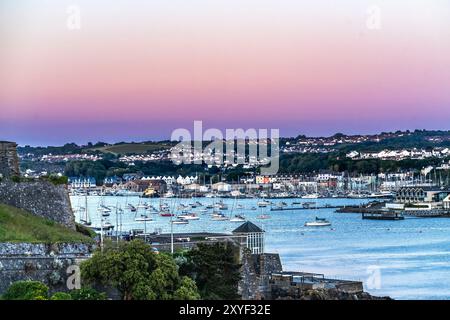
<point x="259" y="274"/>
<point x="135" y="201"/>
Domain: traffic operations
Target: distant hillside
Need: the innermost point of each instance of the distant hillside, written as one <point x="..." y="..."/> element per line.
<point x="19" y="226"/>
<point x="128" y="148"/>
<point x="417" y="139"/>
<point x="384" y="140"/>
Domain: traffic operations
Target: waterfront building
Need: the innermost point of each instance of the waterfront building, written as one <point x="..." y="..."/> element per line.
<point x="221" y="187"/>
<point x="446" y="203"/>
<point x="250" y="236"/>
<point x="417" y="194"/>
<point x="112" y="181"/>
<point x="82" y="182"/>
<point x="131" y="176"/>
<point x="187" y="180"/>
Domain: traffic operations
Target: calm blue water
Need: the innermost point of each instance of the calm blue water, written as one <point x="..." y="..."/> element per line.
<point x="407" y="259"/>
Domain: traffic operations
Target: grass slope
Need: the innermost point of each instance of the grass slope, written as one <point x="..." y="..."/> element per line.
<point x="17" y="225"/>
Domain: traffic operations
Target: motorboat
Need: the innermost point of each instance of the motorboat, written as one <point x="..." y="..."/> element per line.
<point x="169" y="194"/>
<point x="180" y="221"/>
<point x="310" y="196"/>
<point x="219" y="217"/>
<point x="222" y="206"/>
<point x="143" y="218"/>
<point x="318" y="222"/>
<point x="263" y="204"/>
<point x="238" y="218"/>
<point x="166" y="214"/>
<point x="189" y="216"/>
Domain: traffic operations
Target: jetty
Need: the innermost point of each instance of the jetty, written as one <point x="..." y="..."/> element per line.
<point x="305" y="208"/>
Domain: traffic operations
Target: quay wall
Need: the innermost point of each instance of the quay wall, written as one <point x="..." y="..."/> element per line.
<point x="255" y="271"/>
<point x="41" y="198"/>
<point x="47" y="263"/>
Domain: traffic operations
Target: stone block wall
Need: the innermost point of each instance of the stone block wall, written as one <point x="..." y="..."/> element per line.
<point x="41" y="198"/>
<point x="47" y="263"/>
<point x="255" y="271"/>
<point x="9" y="161"/>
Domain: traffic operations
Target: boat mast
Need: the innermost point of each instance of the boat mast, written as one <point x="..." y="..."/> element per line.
<point x="117" y="223"/>
<point x="101" y="233"/>
<point x="85" y="207"/>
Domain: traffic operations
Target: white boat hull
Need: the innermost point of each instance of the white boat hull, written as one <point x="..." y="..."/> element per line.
<point x="317" y="224"/>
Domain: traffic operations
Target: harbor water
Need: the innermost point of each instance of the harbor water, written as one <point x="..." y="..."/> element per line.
<point x="407" y="259"/>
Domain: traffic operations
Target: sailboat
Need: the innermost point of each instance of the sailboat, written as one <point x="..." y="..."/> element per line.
<point x="131" y="208"/>
<point x="85" y="220"/>
<point x="318" y="222"/>
<point x="236" y="217"/>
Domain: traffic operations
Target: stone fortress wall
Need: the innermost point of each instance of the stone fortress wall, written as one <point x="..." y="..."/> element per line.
<point x="41" y="198"/>
<point x="9" y="161"/>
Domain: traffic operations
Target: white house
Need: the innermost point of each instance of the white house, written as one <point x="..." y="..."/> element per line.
<point x="446" y="202"/>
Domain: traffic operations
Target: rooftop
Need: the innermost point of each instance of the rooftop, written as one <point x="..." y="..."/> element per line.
<point x="248" y="227"/>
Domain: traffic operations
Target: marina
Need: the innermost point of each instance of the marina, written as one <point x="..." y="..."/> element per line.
<point x="349" y="249"/>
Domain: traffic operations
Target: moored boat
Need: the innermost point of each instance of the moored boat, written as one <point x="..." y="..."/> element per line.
<point x="318" y="222"/>
<point x="238" y="218"/>
<point x="189" y="216"/>
<point x="180" y="221"/>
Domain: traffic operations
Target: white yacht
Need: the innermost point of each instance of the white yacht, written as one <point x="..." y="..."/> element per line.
<point x="263" y="203"/>
<point x="189" y="216"/>
<point x="318" y="222"/>
<point x="310" y="196"/>
<point x="180" y="221"/>
<point x="143" y="218"/>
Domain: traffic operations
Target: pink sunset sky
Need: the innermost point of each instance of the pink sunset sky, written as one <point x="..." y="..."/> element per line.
<point x="136" y="70"/>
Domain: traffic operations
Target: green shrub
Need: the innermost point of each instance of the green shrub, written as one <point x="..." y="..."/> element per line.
<point x="61" y="296"/>
<point x="56" y="180"/>
<point x="15" y="179"/>
<point x="85" y="231"/>
<point x="87" y="294"/>
<point x="26" y="290"/>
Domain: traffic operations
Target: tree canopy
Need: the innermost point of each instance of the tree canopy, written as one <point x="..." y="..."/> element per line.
<point x="215" y="269"/>
<point x="138" y="273"/>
